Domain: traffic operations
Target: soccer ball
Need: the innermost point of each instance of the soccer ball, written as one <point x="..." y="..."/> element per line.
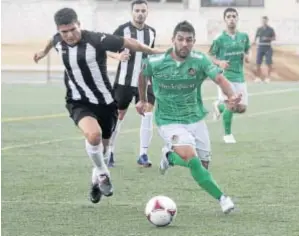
<point x="160" y="211"/>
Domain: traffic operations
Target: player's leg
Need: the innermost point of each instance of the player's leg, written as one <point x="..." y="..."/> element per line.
<point x="146" y="129"/>
<point x="123" y="96"/>
<point x="218" y="105"/>
<point x="269" y="55"/>
<point x="85" y="118"/>
<point x="259" y="59"/>
<point x="202" y="142"/>
<point x="107" y="119"/>
<point x="227" y="116"/>
<point x="180" y="150"/>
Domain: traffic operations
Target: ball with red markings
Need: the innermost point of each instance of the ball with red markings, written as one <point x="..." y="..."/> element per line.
<point x="160" y="211"/>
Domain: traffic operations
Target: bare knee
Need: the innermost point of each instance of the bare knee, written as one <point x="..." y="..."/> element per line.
<point x="93" y="137"/>
<point x="121" y="114"/>
<point x="241" y="109"/>
<point x="186" y="152"/>
<point x="91" y="130"/>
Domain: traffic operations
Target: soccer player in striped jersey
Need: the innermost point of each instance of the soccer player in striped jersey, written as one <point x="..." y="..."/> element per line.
<point x="89" y="93"/>
<point x="126" y="81"/>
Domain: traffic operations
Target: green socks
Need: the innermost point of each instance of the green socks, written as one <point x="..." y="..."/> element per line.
<point x="227" y="118"/>
<point x="198" y="172"/>
<point x="227" y="121"/>
<point x="176" y="160"/>
<point x="221" y="107"/>
<point x="204" y="178"/>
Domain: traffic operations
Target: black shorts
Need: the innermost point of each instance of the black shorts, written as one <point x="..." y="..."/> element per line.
<point x="106" y="115"/>
<point x="125" y="94"/>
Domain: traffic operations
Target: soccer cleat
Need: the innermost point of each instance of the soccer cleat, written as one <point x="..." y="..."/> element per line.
<point x="164" y="164"/>
<point x="226" y="204"/>
<point x="144" y="161"/>
<point x="229" y="138"/>
<point x="105" y="185"/>
<point x="95" y="194"/>
<point x="216" y="112"/>
<point x="111" y="160"/>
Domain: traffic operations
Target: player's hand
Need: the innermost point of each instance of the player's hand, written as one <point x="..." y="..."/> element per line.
<point x="124" y="56"/>
<point x="39" y="55"/>
<point x="223" y="64"/>
<point x="141" y="107"/>
<point x="233" y="101"/>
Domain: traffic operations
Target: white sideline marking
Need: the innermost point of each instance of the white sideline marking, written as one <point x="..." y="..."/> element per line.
<point x="57" y="115"/>
<point x="292" y="108"/>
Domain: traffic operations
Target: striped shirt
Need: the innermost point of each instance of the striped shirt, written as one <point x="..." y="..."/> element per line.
<point x="128" y="71"/>
<point x="85" y="65"/>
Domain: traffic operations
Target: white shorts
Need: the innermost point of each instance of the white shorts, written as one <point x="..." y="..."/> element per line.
<point x="196" y="135"/>
<point x="238" y="88"/>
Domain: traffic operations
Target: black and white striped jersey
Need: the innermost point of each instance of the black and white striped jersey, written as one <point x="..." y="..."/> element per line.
<point x="128" y="71"/>
<point x="85" y="63"/>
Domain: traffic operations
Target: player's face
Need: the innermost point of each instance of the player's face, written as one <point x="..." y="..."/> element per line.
<point x="231" y="19"/>
<point x="70" y="33"/>
<point x="183" y="43"/>
<point x="139" y="13"/>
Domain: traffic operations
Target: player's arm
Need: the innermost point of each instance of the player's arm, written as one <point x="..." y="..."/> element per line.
<point x="144" y="77"/>
<point x="215" y="73"/>
<point x="120" y="56"/>
<point x="134" y="45"/>
<point x="115" y="43"/>
<point x="41" y="54"/>
<point x="214" y="51"/>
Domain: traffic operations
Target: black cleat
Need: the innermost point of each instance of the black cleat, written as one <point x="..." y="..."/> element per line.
<point x="95" y="193"/>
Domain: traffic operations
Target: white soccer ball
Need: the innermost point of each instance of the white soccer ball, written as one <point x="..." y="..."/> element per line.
<point x="160" y="211"/>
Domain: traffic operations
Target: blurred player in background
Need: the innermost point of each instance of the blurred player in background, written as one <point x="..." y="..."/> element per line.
<point x="266" y="35"/>
<point x="229" y="50"/>
<point x="89" y="97"/>
<point x="125" y="85"/>
<point x="176" y="77"/>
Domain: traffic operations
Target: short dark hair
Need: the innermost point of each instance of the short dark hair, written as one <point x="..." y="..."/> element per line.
<point x="184" y="26"/>
<point x="265" y="18"/>
<point x="135" y="2"/>
<point x="229" y="9"/>
<point x="65" y="16"/>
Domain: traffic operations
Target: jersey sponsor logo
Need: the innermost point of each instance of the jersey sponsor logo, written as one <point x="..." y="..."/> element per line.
<point x="191" y="71"/>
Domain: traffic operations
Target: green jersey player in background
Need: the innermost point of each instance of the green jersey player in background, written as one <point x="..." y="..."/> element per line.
<point x="176" y="78"/>
<point x="229" y="51"/>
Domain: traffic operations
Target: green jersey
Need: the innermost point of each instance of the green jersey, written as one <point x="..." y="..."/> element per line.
<point x="231" y="48"/>
<point x="176" y="86"/>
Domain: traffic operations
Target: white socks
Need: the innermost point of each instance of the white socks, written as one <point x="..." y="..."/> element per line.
<point x="96" y="155"/>
<point x="114" y="135"/>
<point x="146" y="132"/>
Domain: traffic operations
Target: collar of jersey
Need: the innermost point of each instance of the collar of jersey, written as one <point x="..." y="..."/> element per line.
<point x="227" y="34"/>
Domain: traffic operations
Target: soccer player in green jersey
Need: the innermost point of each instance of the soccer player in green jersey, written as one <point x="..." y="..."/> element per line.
<point x="176" y="77"/>
<point x="229" y="50"/>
